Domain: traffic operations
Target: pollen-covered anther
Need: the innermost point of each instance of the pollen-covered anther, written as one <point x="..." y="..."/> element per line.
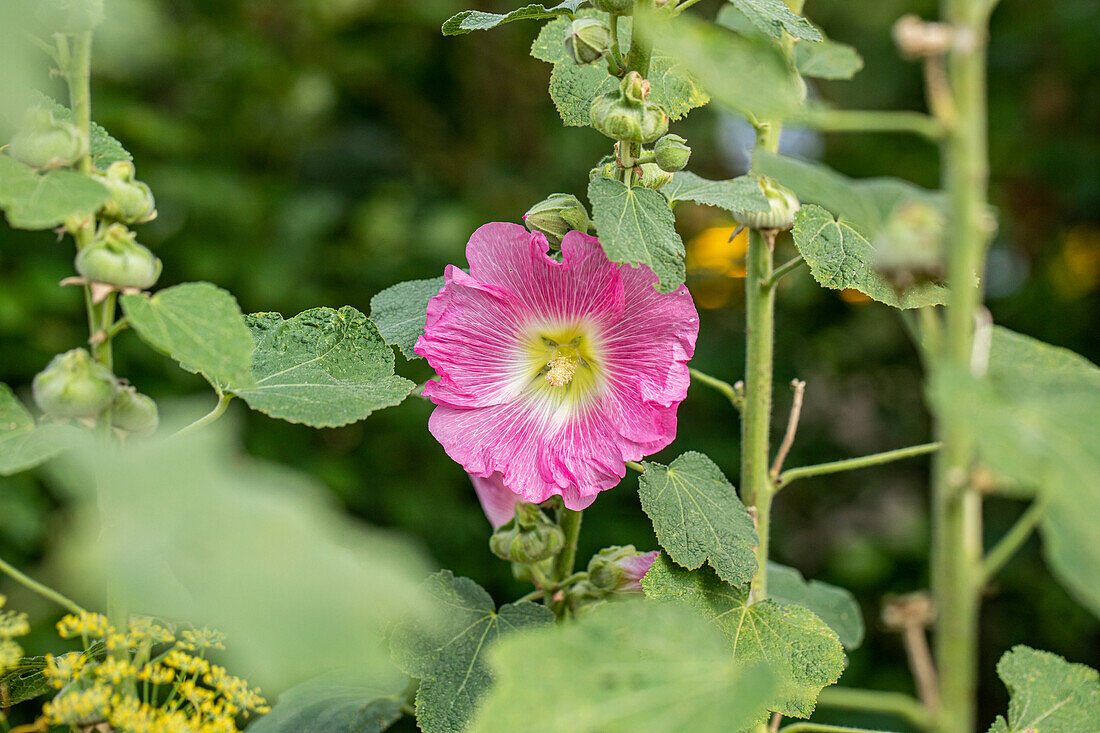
<point x="562" y="369"/>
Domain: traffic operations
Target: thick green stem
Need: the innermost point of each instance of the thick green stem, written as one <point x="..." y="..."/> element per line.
<point x="852" y="120"/>
<point x="571" y="525"/>
<point x="876" y="701"/>
<point x="43" y="590"/>
<point x="850" y="464"/>
<point x="956" y="540"/>
<point x="78" y="75"/>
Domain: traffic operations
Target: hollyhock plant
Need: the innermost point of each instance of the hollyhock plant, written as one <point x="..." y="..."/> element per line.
<point x="554" y="373"/>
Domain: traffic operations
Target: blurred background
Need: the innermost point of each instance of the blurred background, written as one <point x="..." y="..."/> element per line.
<point x="313" y="152"/>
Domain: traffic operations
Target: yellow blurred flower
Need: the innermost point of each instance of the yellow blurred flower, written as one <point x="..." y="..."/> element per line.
<point x="715" y="251"/>
<point x="1076" y="269"/>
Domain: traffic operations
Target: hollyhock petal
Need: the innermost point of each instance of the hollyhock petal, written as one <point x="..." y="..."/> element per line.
<point x="634" y="569"/>
<point x="553" y="373"/>
<point x="497" y="500"/>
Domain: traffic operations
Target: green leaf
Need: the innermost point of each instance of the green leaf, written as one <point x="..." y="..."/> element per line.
<point x="803" y="653"/>
<point x="698" y="518"/>
<point x="44" y="200"/>
<point x="1048" y="694"/>
<point x="636" y="227"/>
<point x="24" y="681"/>
<point x="835" y="606"/>
<point x="866" y="204"/>
<point x="573" y="87"/>
<point x="324" y="368"/>
<point x="333" y="704"/>
<point x="623" y="667"/>
<point x="449" y="657"/>
<point x="200" y="326"/>
<point x="104" y="149"/>
<point x="827" y="60"/>
<point x="1033" y="418"/>
<point x="738" y="194"/>
<point x="773" y="17"/>
<point x="23" y="444"/>
<point x="743" y="73"/>
<point x="475" y="20"/>
<point x="840" y="257"/>
<point x="400" y="310"/>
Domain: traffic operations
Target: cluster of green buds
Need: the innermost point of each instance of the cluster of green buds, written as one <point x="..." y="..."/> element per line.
<point x="45" y="142"/>
<point x="76" y="386"/>
<point x="627" y="115"/>
<point x="612" y="571"/>
<point x="782" y="207"/>
<point x="131" y="200"/>
<point x="528" y="538"/>
<point x="556" y="216"/>
<point x="115" y="259"/>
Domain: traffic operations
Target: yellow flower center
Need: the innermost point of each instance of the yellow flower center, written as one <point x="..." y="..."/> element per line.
<point x="562" y="364"/>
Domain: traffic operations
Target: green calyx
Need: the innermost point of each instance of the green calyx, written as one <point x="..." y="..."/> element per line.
<point x="134" y="412"/>
<point x="74" y="385"/>
<point x="115" y="258"/>
<point x="529" y="537"/>
<point x="131" y="200"/>
<point x="45" y="142"/>
<point x="652" y="176"/>
<point x="587" y="40"/>
<point x="672" y="153"/>
<point x="782" y="206"/>
<point x="556" y="216"/>
<point x="626" y="115"/>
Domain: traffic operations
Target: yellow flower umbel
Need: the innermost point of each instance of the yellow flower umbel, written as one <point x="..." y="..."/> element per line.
<point x="151" y="681"/>
<point x="12" y="625"/>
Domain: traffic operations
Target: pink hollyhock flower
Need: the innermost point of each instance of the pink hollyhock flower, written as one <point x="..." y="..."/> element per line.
<point x="497" y="500"/>
<point x="554" y="373"/>
<point x="620" y="569"/>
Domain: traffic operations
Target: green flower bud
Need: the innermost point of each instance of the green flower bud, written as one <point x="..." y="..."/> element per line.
<point x="74" y="385"/>
<point x="583" y="597"/>
<point x="652" y="176"/>
<point x="619" y="569"/>
<point x="587" y="40"/>
<point x="909" y="248"/>
<point x="782" y="206"/>
<point x="523" y="573"/>
<point x="556" y="215"/>
<point x="529" y="537"/>
<point x="134" y="412"/>
<point x="618" y="7"/>
<point x="131" y="200"/>
<point x="45" y="142"/>
<point x="672" y="153"/>
<point x="70" y="16"/>
<point x="114" y="258"/>
<point x="626" y="115"/>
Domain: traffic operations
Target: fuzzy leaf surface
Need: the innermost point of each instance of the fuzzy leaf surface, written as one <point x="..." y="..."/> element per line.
<point x="23" y="443"/>
<point x="737" y="194"/>
<point x="1034" y="420"/>
<point x="323" y="368"/>
<point x="200" y="326"/>
<point x="476" y="20"/>
<point x="622" y="667"/>
<point x="803" y="653"/>
<point x="827" y="59"/>
<point x="449" y="657"/>
<point x="334" y="705"/>
<point x="636" y="227"/>
<point x="835" y="606"/>
<point x="698" y="518"/>
<point x="773" y="17"/>
<point x="840" y="257"/>
<point x="1048" y="694"/>
<point x="33" y="200"/>
<point x="400" y="311"/>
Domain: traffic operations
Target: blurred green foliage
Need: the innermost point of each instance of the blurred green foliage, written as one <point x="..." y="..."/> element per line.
<point x="313" y="152"/>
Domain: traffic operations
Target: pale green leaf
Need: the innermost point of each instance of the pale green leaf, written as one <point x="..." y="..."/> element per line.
<point x="103" y="148"/>
<point x="400" y="310"/>
<point x="698" y="518"/>
<point x="24" y="444"/>
<point x="773" y="17"/>
<point x="1048" y="694"/>
<point x="337" y="704"/>
<point x="827" y="60"/>
<point x="44" y="200"/>
<point x="549" y="44"/>
<point x="200" y="326"/>
<point x="636" y="227"/>
<point x="835" y="606"/>
<point x="324" y="368"/>
<point x="449" y="657"/>
<point x="623" y="667"/>
<point x="573" y="87"/>
<point x="840" y="257"/>
<point x="803" y="653"/>
<point x="189" y="528"/>
<point x="1034" y="420"/>
<point x="735" y="195"/>
<point x="476" y="20"/>
<point x="745" y="74"/>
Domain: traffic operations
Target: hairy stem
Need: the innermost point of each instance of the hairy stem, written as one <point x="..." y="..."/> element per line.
<point x="43" y="590"/>
<point x="78" y="75"/>
<point x="876" y="701"/>
<point x="725" y="388"/>
<point x="571" y="525"/>
<point x="850" y="464"/>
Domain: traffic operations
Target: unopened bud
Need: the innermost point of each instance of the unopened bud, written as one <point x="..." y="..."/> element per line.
<point x="583" y="597"/>
<point x="587" y="40"/>
<point x="556" y="215"/>
<point x="530" y="537"/>
<point x="45" y="142"/>
<point x="115" y="258"/>
<point x="74" y="385"/>
<point x="134" y="412"/>
<point x="626" y="115"/>
<point x="909" y="249"/>
<point x="620" y="569"/>
<point x="131" y="200"/>
<point x="782" y="206"/>
<point x="653" y="176"/>
<point x="672" y="153"/>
